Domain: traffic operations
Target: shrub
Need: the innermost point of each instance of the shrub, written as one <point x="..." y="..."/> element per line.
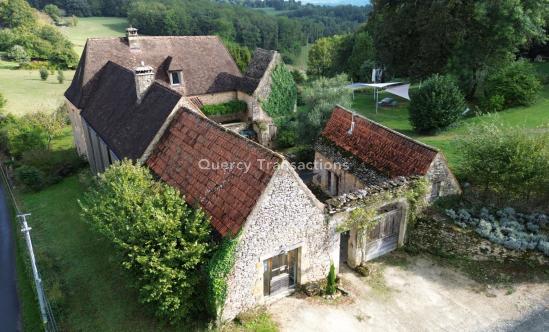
<point x="54" y="165"/>
<point x="240" y="54"/>
<point x="18" y="54"/>
<point x="231" y="107"/>
<point x="436" y="104"/>
<point x="44" y="73"/>
<point x="3" y="102"/>
<point x="286" y="135"/>
<point x="299" y="76"/>
<point x="283" y="96"/>
<point x="53" y="12"/>
<point x="516" y="82"/>
<point x="494" y="103"/>
<point x="60" y="76"/>
<point x="31" y="177"/>
<point x="506" y="163"/>
<point x="162" y="241"/>
<point x="331" y="281"/>
<point x="18" y="135"/>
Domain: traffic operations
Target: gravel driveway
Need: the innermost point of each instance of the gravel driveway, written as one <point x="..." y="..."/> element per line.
<point x="420" y="296"/>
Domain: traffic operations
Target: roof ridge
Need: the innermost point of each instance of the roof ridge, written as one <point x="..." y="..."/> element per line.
<point x="177" y="93"/>
<point x="156" y="37"/>
<point x="387" y="128"/>
<point x="230" y="132"/>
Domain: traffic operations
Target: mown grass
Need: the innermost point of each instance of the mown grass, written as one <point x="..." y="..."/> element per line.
<point x="534" y="118"/>
<point x="94" y="27"/>
<point x="27" y="93"/>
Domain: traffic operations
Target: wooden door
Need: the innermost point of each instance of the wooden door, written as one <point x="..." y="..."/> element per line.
<point x="384" y="237"/>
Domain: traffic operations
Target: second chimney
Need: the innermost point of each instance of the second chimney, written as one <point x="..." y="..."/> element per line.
<point x="144" y="77"/>
<point x="132" y="37"/>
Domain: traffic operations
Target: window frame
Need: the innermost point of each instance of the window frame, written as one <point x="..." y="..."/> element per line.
<point x="179" y="77"/>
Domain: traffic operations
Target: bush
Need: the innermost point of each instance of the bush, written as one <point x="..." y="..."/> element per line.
<point x="3" y="102"/>
<point x="436" y="104"/>
<point x="162" y="241"/>
<point x="18" y="54"/>
<point x="18" y="135"/>
<point x="53" y="12"/>
<point x="299" y="76"/>
<point x="240" y="54"/>
<point x="286" y="135"/>
<point x="31" y="177"/>
<point x="231" y="107"/>
<point x="516" y="82"/>
<point x="44" y="73"/>
<point x="494" y="103"/>
<point x="331" y="286"/>
<point x="60" y="76"/>
<point x="506" y="163"/>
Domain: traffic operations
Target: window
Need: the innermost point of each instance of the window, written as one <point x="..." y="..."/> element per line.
<point x="175" y="77"/>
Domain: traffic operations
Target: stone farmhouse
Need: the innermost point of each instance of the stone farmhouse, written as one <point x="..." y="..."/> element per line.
<point x="357" y="159"/>
<point x="118" y="81"/>
<point x="140" y="98"/>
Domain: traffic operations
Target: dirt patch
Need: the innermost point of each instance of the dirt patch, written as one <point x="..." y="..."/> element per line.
<point x="420" y="295"/>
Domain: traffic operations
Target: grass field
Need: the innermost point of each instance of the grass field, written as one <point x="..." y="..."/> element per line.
<point x="89" y="27"/>
<point x="533" y="118"/>
<point x="26" y="92"/>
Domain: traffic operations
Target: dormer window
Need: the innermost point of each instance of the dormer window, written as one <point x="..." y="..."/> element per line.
<point x="175" y="78"/>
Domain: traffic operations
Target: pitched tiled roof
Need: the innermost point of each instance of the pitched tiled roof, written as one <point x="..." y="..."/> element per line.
<point x="205" y="62"/>
<point x="381" y="148"/>
<point x="256" y="69"/>
<point x="113" y="112"/>
<point x="227" y="194"/>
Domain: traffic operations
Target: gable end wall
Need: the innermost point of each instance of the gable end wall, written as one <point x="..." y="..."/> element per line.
<point x="286" y="217"/>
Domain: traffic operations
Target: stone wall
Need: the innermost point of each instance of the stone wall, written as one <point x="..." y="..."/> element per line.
<point x="347" y="181"/>
<point x="217" y="98"/>
<point x="443" y="182"/>
<point x="440" y="236"/>
<point x="287" y="216"/>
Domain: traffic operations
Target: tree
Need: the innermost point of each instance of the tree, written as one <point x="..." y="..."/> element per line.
<point x="51" y="124"/>
<point x="16" y="13"/>
<point x="361" y="60"/>
<point x="324" y="55"/>
<point x="506" y="162"/>
<point x="19" y="135"/>
<point x="320" y="97"/>
<point x="18" y="54"/>
<point x="162" y="241"/>
<point x="515" y="82"/>
<point x="436" y="104"/>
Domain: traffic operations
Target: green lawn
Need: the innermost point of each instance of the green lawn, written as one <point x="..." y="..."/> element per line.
<point x="26" y="92"/>
<point x="89" y="27"/>
<point x="86" y="287"/>
<point x="533" y="118"/>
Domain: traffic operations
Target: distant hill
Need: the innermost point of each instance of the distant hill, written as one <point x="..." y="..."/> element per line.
<point x="338" y="2"/>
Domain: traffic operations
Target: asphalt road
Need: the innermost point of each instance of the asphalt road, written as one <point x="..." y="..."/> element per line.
<point x="9" y="302"/>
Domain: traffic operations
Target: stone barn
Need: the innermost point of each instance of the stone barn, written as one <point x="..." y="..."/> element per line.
<point x="362" y="164"/>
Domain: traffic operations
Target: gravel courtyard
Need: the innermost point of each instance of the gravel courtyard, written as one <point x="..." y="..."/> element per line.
<point x="419" y="296"/>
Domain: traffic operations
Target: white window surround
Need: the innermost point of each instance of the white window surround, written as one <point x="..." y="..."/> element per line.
<point x="178" y="77"/>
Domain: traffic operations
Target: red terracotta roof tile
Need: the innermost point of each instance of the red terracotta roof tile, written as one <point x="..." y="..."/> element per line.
<point x="379" y="147"/>
<point x="227" y="195"/>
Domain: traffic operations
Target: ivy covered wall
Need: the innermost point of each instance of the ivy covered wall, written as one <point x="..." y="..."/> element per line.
<point x="283" y="96"/>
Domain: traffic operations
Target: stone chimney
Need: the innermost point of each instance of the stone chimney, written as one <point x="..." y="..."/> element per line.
<point x="132" y="37"/>
<point x="144" y="77"/>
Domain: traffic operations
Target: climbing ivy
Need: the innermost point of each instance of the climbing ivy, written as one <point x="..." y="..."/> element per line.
<point x="218" y="270"/>
<point x="363" y="217"/>
<point x="283" y="95"/>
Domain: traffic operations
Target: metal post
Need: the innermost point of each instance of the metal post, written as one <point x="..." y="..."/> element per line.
<point x="376" y="98"/>
<point x="37" y="281"/>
